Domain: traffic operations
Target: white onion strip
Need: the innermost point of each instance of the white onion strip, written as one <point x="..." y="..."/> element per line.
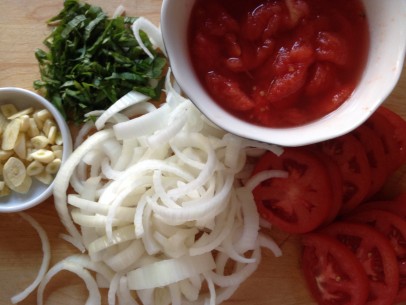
<point x="154" y="34"/>
<point x="61" y="181"/>
<point x="94" y="293"/>
<point x="169" y="271"/>
<point x="46" y="258"/>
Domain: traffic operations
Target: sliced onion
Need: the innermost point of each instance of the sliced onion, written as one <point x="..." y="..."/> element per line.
<point x="127" y="100"/>
<point x="143" y="125"/>
<point x="94" y="293"/>
<point x="46" y="258"/>
<point x="142" y="24"/>
<point x="61" y="181"/>
<point x="169" y="271"/>
<point x="156" y="197"/>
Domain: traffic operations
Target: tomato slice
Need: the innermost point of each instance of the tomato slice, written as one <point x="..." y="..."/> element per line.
<point x="397" y="206"/>
<point x="394" y="228"/>
<point x="376" y="156"/>
<point x="332" y="272"/>
<point x="300" y="202"/>
<point x="336" y="182"/>
<point x="376" y="255"/>
<point x="398" y="131"/>
<point x="383" y="128"/>
<point x="352" y="160"/>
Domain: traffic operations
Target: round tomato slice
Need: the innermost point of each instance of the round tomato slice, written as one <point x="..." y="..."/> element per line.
<point x="300" y="202"/>
<point x="396" y="206"/>
<point x="394" y="228"/>
<point x="332" y="272"/>
<point x="336" y="182"/>
<point x="376" y="255"/>
<point x="398" y="131"/>
<point x="352" y="160"/>
<point x="384" y="130"/>
<point x="376" y="156"/>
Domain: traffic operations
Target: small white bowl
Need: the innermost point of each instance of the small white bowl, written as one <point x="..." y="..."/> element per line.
<point x="387" y="24"/>
<point x="38" y="192"/>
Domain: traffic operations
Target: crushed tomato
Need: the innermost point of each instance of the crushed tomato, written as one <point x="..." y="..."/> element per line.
<point x="279" y="63"/>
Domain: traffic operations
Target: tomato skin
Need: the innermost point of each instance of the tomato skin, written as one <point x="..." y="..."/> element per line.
<point x="332" y="272"/>
<point x="351" y="158"/>
<point x="396" y="206"/>
<point x="381" y="126"/>
<point x="375" y="253"/>
<point x="336" y="182"/>
<point x="394" y="228"/>
<point x="376" y="156"/>
<point x="398" y="132"/>
<point x="302" y="201"/>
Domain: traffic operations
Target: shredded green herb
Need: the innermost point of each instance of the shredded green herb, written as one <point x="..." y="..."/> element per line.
<point x="93" y="60"/>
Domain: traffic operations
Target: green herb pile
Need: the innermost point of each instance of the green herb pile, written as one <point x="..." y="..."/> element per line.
<point x="93" y="60"/>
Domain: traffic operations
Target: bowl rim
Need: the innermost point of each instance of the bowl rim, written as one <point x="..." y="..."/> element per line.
<point x="309" y="133"/>
<point x="66" y="150"/>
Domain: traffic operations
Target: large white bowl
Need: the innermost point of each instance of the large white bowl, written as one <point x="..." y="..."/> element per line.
<point x="387" y="25"/>
<point x="38" y="192"/>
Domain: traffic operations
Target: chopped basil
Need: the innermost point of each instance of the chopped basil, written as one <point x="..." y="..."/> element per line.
<point x="93" y="60"/>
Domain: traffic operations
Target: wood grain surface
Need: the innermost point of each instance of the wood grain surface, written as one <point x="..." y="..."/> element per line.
<point x="278" y="281"/>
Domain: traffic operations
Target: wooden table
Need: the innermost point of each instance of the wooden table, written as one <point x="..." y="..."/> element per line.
<point x="278" y="281"/>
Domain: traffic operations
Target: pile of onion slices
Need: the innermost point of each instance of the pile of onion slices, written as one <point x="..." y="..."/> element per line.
<point x="158" y="201"/>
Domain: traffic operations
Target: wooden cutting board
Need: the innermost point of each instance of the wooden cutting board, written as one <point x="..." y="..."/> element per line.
<point x="278" y="281"/>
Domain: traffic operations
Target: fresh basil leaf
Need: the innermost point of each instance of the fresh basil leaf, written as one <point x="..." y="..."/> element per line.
<point x="92" y="60"/>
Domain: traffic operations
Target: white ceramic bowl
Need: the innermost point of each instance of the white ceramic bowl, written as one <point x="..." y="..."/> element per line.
<point x="38" y="191"/>
<point x="387" y="24"/>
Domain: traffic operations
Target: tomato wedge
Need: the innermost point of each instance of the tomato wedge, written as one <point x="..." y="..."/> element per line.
<point x="332" y="272"/>
<point x="300" y="202"/>
<point x="376" y="255"/>
<point x="352" y="160"/>
<point x="394" y="228"/>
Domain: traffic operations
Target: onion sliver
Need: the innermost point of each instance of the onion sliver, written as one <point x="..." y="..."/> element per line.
<point x="131" y="98"/>
<point x="45" y="259"/>
<point x="143" y="125"/>
<point x="61" y="181"/>
<point x="94" y="293"/>
<point x="169" y="271"/>
<point x="142" y="24"/>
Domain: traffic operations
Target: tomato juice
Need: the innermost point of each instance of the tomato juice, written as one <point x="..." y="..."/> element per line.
<point x="279" y="63"/>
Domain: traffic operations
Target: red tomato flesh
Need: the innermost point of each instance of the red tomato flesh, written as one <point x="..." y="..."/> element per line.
<point x="300" y="202"/>
<point x="385" y="130"/>
<point x="376" y="156"/>
<point x="398" y="132"/>
<point x="296" y="60"/>
<point x="394" y="228"/>
<point x="332" y="272"/>
<point x="376" y="255"/>
<point x="352" y="160"/>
